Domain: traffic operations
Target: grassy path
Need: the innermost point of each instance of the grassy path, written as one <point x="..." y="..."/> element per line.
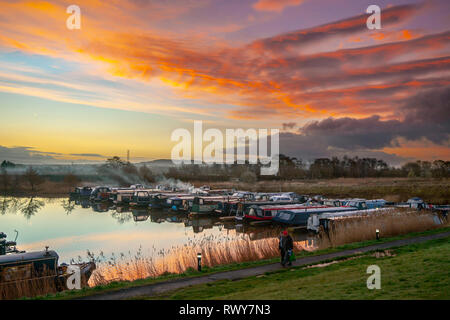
<point x="203" y="282"/>
<point x="414" y="271"/>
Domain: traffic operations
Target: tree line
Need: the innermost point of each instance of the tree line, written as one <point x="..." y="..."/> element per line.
<point x="291" y="168"/>
<point x="124" y="173"/>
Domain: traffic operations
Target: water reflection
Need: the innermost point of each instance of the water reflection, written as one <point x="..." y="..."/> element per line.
<point x="71" y="227"/>
<point x="31" y="207"/>
<point x="27" y="206"/>
<point x="68" y="206"/>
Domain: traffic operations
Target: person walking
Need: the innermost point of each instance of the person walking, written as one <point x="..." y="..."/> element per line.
<point x="286" y="246"/>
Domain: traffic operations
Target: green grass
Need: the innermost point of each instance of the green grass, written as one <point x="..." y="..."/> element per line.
<point x="113" y="286"/>
<point x="419" y="271"/>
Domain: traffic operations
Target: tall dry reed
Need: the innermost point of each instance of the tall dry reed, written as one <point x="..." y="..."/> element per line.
<point x="28" y="288"/>
<point x="389" y="223"/>
<point x="177" y="260"/>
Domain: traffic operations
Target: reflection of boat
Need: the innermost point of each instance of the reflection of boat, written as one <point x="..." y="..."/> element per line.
<point x="140" y="214"/>
<point x="177" y="219"/>
<point x="84" y="203"/>
<point x="100" y="206"/>
<point x="100" y="194"/>
<point x="198" y="225"/>
<point x="157" y="216"/>
<point x="122" y="209"/>
<point x="81" y="192"/>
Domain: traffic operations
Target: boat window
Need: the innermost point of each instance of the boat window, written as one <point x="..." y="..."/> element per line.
<point x="251" y="212"/>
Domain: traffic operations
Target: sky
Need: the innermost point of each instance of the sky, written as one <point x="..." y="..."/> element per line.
<point x="138" y="69"/>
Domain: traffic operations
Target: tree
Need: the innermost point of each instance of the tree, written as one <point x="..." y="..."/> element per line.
<point x="5" y="180"/>
<point x="33" y="178"/>
<point x="115" y="162"/>
<point x="7" y="164"/>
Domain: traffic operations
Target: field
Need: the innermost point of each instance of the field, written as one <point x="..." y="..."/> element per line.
<point x="432" y="190"/>
<point x="420" y="271"/>
<point x="436" y="191"/>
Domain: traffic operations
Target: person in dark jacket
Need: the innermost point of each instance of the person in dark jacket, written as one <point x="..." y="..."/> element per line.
<point x="286" y="246"/>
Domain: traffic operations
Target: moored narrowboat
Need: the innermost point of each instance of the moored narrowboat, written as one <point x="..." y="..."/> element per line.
<point x="299" y="217"/>
<point x="141" y="198"/>
<point x="268" y="212"/>
<point x="207" y="205"/>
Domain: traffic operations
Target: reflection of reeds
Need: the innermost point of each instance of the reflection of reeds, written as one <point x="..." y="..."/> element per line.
<point x="179" y="259"/>
<point x="391" y="223"/>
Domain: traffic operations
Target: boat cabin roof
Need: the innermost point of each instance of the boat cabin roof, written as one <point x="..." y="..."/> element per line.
<point x="27" y="257"/>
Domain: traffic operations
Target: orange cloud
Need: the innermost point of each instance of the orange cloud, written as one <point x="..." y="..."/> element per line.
<point x="251" y="78"/>
<point x="275" y="5"/>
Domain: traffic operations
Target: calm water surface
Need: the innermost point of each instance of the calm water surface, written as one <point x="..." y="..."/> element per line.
<point x="73" y="227"/>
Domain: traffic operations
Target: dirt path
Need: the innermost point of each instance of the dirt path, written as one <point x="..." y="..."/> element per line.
<point x="153" y="289"/>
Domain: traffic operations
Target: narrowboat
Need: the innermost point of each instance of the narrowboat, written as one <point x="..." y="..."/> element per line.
<point x="180" y="204"/>
<point x="206" y="205"/>
<point x="122" y="196"/>
<point x="299" y="217"/>
<point x="100" y="193"/>
<point x="268" y="212"/>
<point x="244" y="195"/>
<point x="332" y="203"/>
<point x="242" y="207"/>
<point x="227" y="207"/>
<point x="141" y="198"/>
<point x="159" y="200"/>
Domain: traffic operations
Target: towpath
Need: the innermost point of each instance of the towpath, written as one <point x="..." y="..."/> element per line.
<point x="157" y="288"/>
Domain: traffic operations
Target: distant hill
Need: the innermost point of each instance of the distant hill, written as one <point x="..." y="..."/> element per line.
<point x="158" y="162"/>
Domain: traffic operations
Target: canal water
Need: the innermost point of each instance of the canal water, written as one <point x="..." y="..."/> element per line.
<point x="72" y="228"/>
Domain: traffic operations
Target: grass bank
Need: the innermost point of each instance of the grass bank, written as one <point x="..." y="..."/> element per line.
<point x="113" y="286"/>
<point x="417" y="271"/>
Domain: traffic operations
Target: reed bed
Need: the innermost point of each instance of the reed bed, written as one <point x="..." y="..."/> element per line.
<point x="391" y="223"/>
<point x="28" y="288"/>
<point x="215" y="251"/>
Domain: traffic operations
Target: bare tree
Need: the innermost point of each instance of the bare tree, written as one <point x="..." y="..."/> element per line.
<point x="33" y="178"/>
<point x="5" y="180"/>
